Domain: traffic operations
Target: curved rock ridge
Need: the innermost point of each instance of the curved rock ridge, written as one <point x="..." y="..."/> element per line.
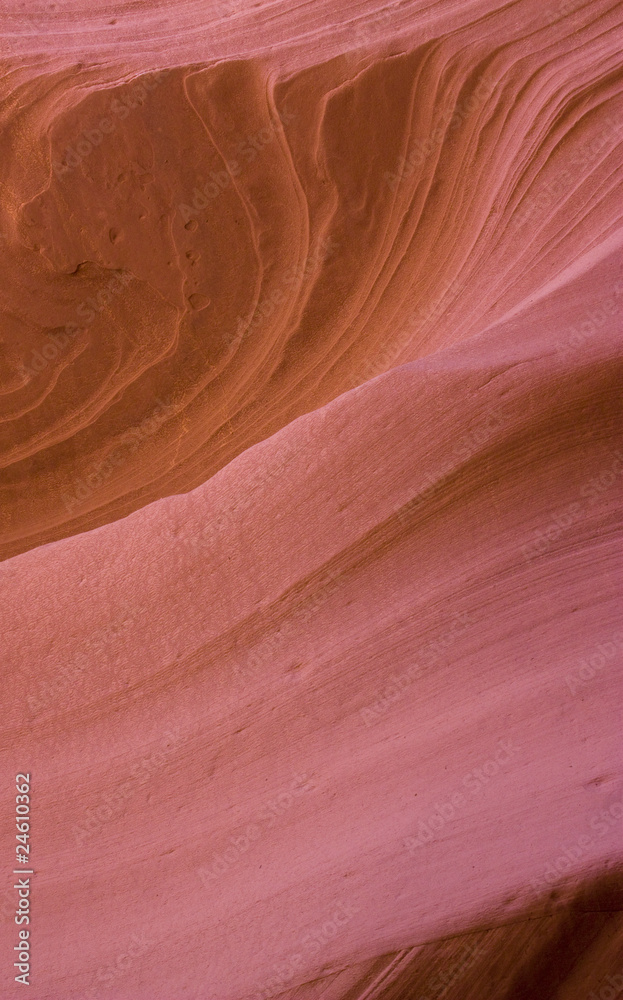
<point x="562" y="953"/>
<point x="353" y="696"/>
<point x="200" y="252"/>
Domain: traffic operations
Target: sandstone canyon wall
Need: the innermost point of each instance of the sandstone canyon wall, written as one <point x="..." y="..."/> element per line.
<point x="310" y="470"/>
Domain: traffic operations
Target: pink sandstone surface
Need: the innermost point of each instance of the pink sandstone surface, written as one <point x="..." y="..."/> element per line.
<point x="310" y="469"/>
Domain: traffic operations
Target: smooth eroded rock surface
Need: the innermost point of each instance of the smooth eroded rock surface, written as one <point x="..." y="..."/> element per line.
<point x="310" y="479"/>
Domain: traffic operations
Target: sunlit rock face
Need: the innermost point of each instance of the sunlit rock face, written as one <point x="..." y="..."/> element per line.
<point x="310" y="367"/>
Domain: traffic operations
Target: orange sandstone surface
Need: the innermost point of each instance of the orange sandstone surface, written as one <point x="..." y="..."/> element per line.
<point x="310" y="478"/>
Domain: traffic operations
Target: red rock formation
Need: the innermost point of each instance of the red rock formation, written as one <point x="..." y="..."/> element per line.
<point x="214" y="238"/>
<point x="336" y="714"/>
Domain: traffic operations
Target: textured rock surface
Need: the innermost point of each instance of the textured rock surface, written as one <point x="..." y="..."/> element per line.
<point x="332" y="314"/>
<point x="245" y="241"/>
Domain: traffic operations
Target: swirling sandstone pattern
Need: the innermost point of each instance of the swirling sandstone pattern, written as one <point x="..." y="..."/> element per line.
<point x="243" y="245"/>
<point x="309" y="371"/>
